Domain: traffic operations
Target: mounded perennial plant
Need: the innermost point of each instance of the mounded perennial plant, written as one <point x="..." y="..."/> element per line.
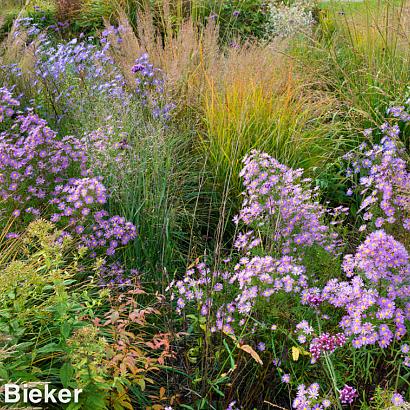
<point x="283" y="222"/>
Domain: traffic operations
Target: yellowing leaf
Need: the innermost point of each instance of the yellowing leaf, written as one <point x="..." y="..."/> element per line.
<point x="196" y="261"/>
<point x="295" y="353"/>
<point x="248" y="349"/>
<point x="141" y="383"/>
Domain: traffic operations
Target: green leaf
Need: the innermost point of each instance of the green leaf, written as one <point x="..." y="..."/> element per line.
<point x="65" y="329"/>
<point x="66" y="374"/>
<point x="231" y="359"/>
<point x="50" y="348"/>
<point x="4" y="375"/>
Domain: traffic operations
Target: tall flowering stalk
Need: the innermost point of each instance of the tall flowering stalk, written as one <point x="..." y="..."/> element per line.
<point x="150" y="87"/>
<point x="280" y="204"/>
<point x="384" y="181"/>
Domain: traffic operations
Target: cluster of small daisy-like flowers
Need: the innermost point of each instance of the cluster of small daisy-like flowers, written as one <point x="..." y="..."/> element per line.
<point x="150" y="86"/>
<point x="108" y="233"/>
<point x="82" y="62"/>
<point x="252" y="280"/>
<point x="376" y="298"/>
<point x="381" y="258"/>
<point x="80" y="68"/>
<point x="385" y="179"/>
<point x="405" y="352"/>
<point x="33" y="160"/>
<point x="35" y="173"/>
<point x="114" y="275"/>
<point x="304" y="331"/>
<point x="272" y="191"/>
<point x="70" y="70"/>
<point x="280" y="206"/>
<point x="279" y="199"/>
<point x="76" y="199"/>
<point x="308" y="398"/>
<point x="8" y="104"/>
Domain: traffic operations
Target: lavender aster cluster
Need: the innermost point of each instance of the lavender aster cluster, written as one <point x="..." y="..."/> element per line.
<point x="405" y="352"/>
<point x="150" y="87"/>
<point x="109" y="232"/>
<point x="304" y="331"/>
<point x="273" y="191"/>
<point x="284" y="217"/>
<point x="113" y="32"/>
<point x="376" y="299"/>
<point x="35" y="173"/>
<point x="8" y="104"/>
<point x="279" y="197"/>
<point x="84" y="64"/>
<point x="114" y="275"/>
<point x="385" y="180"/>
<point x="76" y="199"/>
<point x="380" y="257"/>
<point x="26" y="25"/>
<point x="254" y="279"/>
<point x="9" y="73"/>
<point x="308" y="398"/>
<point x="77" y="62"/>
<point x="33" y="160"/>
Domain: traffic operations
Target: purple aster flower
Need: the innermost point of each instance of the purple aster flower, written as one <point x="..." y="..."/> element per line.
<point x="286" y="378"/>
<point x="397" y="399"/>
